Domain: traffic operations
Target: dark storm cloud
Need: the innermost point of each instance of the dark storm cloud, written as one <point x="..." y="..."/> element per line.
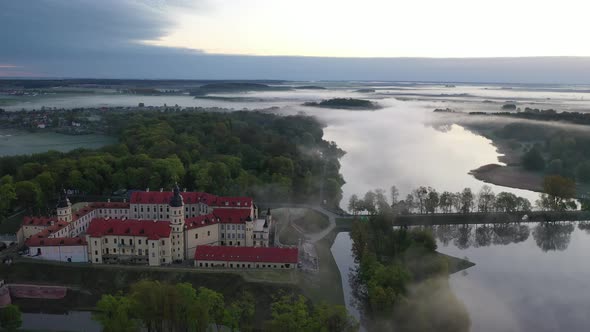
<point x="33" y="29"/>
<point x="100" y="38"/>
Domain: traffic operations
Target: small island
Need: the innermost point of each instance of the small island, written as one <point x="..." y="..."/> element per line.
<point x="366" y="90"/>
<point x="345" y="103"/>
<point x="310" y="87"/>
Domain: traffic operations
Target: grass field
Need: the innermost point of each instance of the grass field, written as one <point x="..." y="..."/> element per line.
<point x="326" y="286"/>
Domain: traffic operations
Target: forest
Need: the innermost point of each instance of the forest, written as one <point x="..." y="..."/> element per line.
<point x="267" y="156"/>
<point x="156" y="306"/>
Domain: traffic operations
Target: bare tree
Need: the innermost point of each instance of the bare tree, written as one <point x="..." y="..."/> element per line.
<point x="485" y="199"/>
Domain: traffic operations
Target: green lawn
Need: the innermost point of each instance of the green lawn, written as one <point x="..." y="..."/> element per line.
<point x="326" y="286"/>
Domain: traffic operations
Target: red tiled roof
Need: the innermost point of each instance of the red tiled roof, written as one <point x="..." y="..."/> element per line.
<point x="232" y="202"/>
<point x="45" y="233"/>
<point x="110" y="205"/>
<point x="246" y="254"/>
<point x="39" y="221"/>
<point x="231" y="216"/>
<point x="60" y="241"/>
<point x="200" y="221"/>
<point x="130" y="227"/>
<point x="163" y="197"/>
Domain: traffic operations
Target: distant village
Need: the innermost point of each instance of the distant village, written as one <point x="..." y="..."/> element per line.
<point x="77" y="121"/>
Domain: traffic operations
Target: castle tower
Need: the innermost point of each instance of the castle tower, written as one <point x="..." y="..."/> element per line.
<point x="249" y="232"/>
<point x="177" y="224"/>
<point x="64" y="207"/>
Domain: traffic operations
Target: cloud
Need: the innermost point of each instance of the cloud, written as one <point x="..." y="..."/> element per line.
<point x="61" y="28"/>
<point x="106" y="38"/>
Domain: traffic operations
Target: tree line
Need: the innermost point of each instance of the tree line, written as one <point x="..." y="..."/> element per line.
<point x="263" y="155"/>
<point x="559" y="194"/>
<point x="157" y="307"/>
<point x="425" y="200"/>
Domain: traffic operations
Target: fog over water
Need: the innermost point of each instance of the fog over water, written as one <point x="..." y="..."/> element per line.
<point x="535" y="284"/>
<point x="395" y="145"/>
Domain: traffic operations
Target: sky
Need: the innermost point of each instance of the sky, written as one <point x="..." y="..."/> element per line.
<point x="418" y="40"/>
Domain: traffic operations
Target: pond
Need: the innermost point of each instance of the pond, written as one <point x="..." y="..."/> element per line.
<point x="527" y="277"/>
<point x="74" y="321"/>
<point x="14" y="142"/>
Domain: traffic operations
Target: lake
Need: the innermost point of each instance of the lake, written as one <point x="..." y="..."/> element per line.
<point x="527" y="277"/>
<point x="74" y="321"/>
<point x="13" y="142"/>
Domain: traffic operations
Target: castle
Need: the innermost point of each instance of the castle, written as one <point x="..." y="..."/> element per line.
<point x="158" y="228"/>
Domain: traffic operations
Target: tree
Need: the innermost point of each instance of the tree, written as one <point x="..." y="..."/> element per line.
<point x="485" y="199"/>
<point x="28" y="193"/>
<point x="559" y="192"/>
<point x="370" y="201"/>
<point x="394" y="195"/>
<point x="533" y="160"/>
<point x="333" y="318"/>
<point x="432" y="200"/>
<point x="410" y="203"/>
<point x="114" y="314"/>
<point x="467" y="200"/>
<point x="240" y="313"/>
<point x="353" y="204"/>
<point x="7" y="194"/>
<point x="506" y="202"/>
<point x="381" y="201"/>
<point x="10" y="318"/>
<point x="290" y="314"/>
<point x="420" y="194"/>
<point x="446" y="201"/>
<point x="456" y="200"/>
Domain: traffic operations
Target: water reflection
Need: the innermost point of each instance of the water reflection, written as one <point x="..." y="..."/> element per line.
<point x="553" y="236"/>
<point x="548" y="236"/>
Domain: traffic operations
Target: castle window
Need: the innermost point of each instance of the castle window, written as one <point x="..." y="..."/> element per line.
<point x="208" y="233"/>
<point x="196" y="236"/>
<point x="139" y="241"/>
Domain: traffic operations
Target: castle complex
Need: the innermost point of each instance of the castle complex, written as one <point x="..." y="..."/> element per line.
<point x="158" y="228"/>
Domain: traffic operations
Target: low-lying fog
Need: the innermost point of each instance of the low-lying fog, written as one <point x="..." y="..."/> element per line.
<point x="393" y="145"/>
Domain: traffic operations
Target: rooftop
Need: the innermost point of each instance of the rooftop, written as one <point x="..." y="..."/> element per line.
<point x="164" y="197"/>
<point x="39" y="221"/>
<point x="153" y="230"/>
<point x="63" y="241"/>
<point x="247" y="254"/>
